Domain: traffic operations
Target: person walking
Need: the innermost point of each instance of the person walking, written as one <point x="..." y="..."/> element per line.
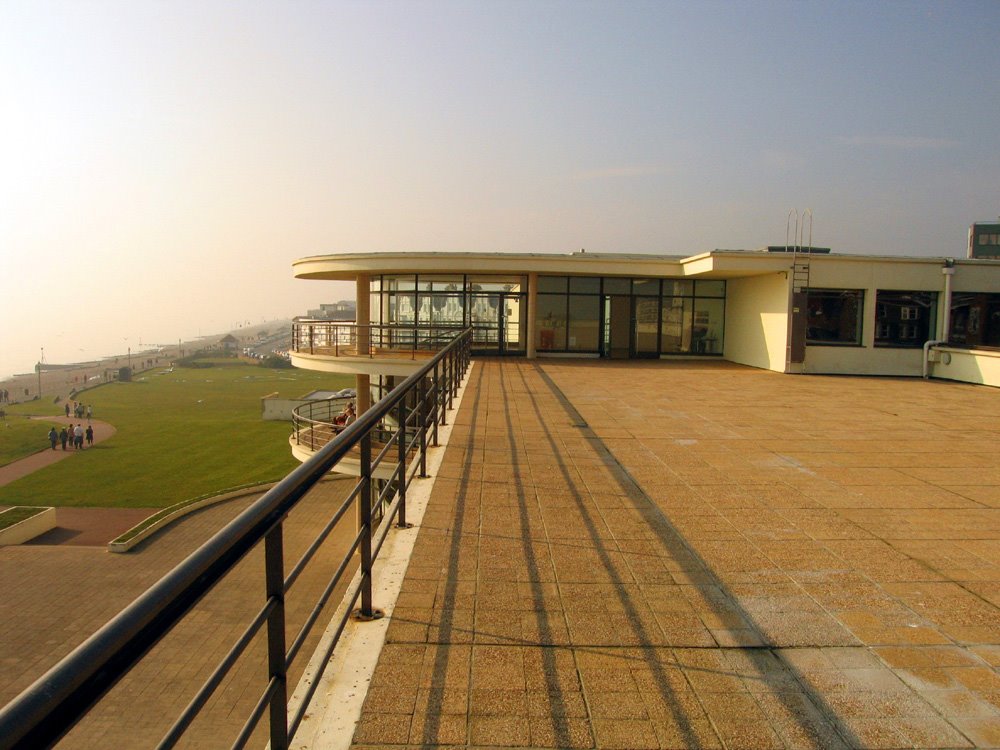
<point x="53" y="437"/>
<point x="67" y="408"/>
<point x="90" y="434"/>
<point x="79" y="437"/>
<point x="63" y="437"/>
<point x="90" y="412"/>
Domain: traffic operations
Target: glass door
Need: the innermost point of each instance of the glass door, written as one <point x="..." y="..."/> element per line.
<point x="645" y="327"/>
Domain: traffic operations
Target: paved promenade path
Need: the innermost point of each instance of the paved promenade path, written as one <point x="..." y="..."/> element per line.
<point x="692" y="555"/>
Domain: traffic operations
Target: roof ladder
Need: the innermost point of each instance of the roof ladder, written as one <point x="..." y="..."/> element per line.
<point x="801" y="256"/>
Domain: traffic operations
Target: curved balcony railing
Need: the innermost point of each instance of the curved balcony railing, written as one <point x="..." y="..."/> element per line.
<point x="314" y="425"/>
<point x="336" y="339"/>
<point x="50" y="707"/>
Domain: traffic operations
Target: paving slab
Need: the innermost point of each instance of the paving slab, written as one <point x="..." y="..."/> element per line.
<point x="672" y="555"/>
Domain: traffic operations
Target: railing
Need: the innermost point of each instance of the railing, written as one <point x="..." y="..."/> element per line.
<point x="50" y="707"/>
<point x="368" y="340"/>
<point x="313" y="424"/>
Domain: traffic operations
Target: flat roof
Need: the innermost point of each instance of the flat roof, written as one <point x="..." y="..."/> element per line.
<point x="710" y="264"/>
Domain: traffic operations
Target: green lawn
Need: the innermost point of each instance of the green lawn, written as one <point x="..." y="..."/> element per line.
<point x="20" y="437"/>
<point x="179" y="435"/>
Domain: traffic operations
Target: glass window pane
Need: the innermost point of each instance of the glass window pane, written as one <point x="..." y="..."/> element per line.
<point x="401" y="308"/>
<point x="584" y="319"/>
<point x="975" y="319"/>
<point x="448" y="309"/>
<point x="615" y="285"/>
<point x="677" y="288"/>
<point x="439" y="283"/>
<point x="647" y="287"/>
<point x="675" y="336"/>
<point x="904" y="319"/>
<point x="710" y="288"/>
<point x="552" y="284"/>
<point x="424" y="309"/>
<point x="647" y="311"/>
<point x="375" y="283"/>
<point x="495" y="283"/>
<point x="400" y="283"/>
<point x="834" y="316"/>
<point x="585" y="284"/>
<point x="707" y="326"/>
<point x="550" y="326"/>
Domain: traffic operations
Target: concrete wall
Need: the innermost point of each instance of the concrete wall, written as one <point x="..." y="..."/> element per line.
<point x="870" y="275"/>
<point x="757" y="321"/>
<point x="967" y="365"/>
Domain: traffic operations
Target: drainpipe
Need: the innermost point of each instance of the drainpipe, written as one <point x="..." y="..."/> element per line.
<point x="948" y="271"/>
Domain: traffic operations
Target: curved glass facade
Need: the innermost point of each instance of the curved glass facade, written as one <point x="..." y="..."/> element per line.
<point x="638" y="317"/>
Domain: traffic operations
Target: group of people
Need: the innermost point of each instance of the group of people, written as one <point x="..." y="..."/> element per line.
<point x="4" y="396"/>
<point x="79" y="410"/>
<point x="345" y="417"/>
<point x="72" y="436"/>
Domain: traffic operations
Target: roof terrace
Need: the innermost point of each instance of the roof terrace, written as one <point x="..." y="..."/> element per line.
<point x="667" y="555"/>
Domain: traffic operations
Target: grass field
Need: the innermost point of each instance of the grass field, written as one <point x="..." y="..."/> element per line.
<point x="20" y="437"/>
<point x="179" y="435"/>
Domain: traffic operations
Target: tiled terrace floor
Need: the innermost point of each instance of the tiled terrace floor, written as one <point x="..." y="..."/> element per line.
<point x="646" y="555"/>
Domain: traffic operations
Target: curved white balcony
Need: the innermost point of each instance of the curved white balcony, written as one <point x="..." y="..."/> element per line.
<point x="353" y="349"/>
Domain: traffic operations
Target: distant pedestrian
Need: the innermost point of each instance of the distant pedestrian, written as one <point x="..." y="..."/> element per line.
<point x="78" y="434"/>
<point x="53" y="437"/>
<point x="67" y="408"/>
<point x="90" y="434"/>
<point x="63" y="437"/>
<point x="90" y="412"/>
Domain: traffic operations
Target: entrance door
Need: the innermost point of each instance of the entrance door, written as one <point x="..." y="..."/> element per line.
<point x="617" y="316"/>
<point x="645" y="327"/>
<point x="497" y="323"/>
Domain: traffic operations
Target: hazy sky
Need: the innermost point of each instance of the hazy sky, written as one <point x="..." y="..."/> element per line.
<point x="163" y="163"/>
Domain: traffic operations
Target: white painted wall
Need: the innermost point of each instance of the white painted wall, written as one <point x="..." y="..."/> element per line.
<point x="757" y="321"/>
<point x="967" y="365"/>
<point x="870" y="275"/>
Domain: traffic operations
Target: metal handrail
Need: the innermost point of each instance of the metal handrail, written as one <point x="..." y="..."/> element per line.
<point x="342" y="339"/>
<point x="50" y="707"/>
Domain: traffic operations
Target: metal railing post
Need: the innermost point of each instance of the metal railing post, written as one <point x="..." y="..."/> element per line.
<point x="442" y="415"/>
<point x="275" y="585"/>
<point x="401" y="419"/>
<point x="311" y="340"/>
<point x="365" y="498"/>
<point x="452" y="379"/>
<point x="422" y="426"/>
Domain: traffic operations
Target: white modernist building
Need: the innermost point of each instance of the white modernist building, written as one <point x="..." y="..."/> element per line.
<point x="796" y="312"/>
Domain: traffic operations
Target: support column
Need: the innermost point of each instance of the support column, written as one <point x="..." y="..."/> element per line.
<point x="362" y="320"/>
<point x="532" y="314"/>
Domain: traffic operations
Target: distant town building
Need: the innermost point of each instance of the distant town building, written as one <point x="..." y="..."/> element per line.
<point x="229" y="343"/>
<point x="343" y="310"/>
<point x="984" y="240"/>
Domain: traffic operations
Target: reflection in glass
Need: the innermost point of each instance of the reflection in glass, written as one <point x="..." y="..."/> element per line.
<point x="675" y="337"/>
<point x="646" y="312"/>
<point x="646" y="287"/>
<point x="677" y="288"/>
<point x="615" y="285"/>
<point x="585" y="284"/>
<point x="584" y="320"/>
<point x="709" y="321"/>
<point x="555" y="284"/>
<point x="710" y="288"/>
<point x="550" y="327"/>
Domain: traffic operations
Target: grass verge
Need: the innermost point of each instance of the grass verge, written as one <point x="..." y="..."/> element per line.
<point x="21" y="437"/>
<point x="180" y="434"/>
<point x="15" y="515"/>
